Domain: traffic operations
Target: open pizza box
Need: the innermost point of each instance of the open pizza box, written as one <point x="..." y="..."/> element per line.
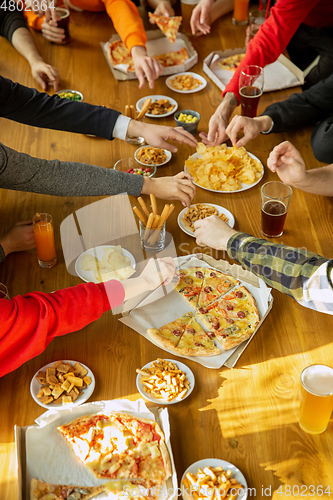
<point x="156" y="44"/>
<point x="42" y="453"/>
<point x="281" y="74"/>
<point x="158" y="309"/>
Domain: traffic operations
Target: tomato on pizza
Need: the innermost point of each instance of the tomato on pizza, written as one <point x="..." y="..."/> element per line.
<point x="215" y="284"/>
<point x="168" y="25"/>
<point x="189" y="284"/>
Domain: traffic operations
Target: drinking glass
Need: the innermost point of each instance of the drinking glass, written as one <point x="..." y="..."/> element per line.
<point x="152" y="240"/>
<point x="187" y="7"/>
<point x="44" y="236"/>
<point x="63" y="22"/>
<point x="251" y="84"/>
<point x="316" y="398"/>
<point x="256" y="19"/>
<point x="275" y="199"/>
<point x="4" y="292"/>
<point x="241" y="10"/>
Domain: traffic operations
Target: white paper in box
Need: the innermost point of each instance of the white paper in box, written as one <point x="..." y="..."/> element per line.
<point x="156" y="44"/>
<point x="281" y="74"/>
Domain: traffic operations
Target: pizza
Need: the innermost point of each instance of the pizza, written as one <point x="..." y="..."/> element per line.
<point x="190" y="283"/>
<point x="168" y="25"/>
<point x="231" y="319"/>
<point x="231" y="63"/>
<point x="184" y="336"/>
<point x="118" y="53"/>
<point x="46" y="491"/>
<point x="119" y="446"/>
<point x="214" y="285"/>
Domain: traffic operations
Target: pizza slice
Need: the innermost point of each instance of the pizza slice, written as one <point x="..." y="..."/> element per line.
<point x="214" y="286"/>
<point x="122" y="489"/>
<point x="231" y="63"/>
<point x="119" y="54"/>
<point x="46" y="491"/>
<point x="190" y="284"/>
<point x="195" y="342"/>
<point x="168" y="25"/>
<point x="168" y="336"/>
<point x="172" y="58"/>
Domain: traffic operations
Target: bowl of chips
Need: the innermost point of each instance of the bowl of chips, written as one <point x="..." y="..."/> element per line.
<point x="188" y="119"/>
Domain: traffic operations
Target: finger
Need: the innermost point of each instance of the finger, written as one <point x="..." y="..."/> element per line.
<point x="24" y="222"/>
<point x="287" y="159"/>
<point x="194" y="20"/>
<point x="40" y="81"/>
<point x="183" y="175"/>
<point x="140" y="74"/>
<point x="185" y="136"/>
<point x="212" y="131"/>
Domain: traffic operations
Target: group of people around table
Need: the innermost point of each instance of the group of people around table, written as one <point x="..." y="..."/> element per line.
<point x="30" y="322"/>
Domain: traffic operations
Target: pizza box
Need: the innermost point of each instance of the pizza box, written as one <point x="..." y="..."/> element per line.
<point x="158" y="309"/>
<point x="281" y="74"/>
<point x="42" y="453"/>
<point x="156" y="44"/>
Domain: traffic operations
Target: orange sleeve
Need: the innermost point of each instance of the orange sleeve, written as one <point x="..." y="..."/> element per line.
<point x="33" y="20"/>
<point x="127" y="22"/>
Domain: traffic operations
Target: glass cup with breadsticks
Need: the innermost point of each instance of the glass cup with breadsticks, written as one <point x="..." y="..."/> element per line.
<point x="131" y="113"/>
<point x="152" y="225"/>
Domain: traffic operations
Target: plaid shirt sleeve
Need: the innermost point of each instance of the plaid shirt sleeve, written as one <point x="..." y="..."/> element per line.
<point x="304" y="275"/>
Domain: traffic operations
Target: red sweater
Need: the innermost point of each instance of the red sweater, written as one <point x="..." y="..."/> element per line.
<point x="276" y="32"/>
<point x="30" y="322"/>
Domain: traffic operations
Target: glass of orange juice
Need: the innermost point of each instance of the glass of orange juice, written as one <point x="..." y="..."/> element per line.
<point x="316" y="398"/>
<point x="241" y="12"/>
<point x="44" y="236"/>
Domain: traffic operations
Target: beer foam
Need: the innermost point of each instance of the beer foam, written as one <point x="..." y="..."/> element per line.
<point x="318" y="379"/>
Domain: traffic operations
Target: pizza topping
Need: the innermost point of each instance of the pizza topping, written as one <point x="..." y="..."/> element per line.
<point x="197" y="344"/>
<point x="230" y="307"/>
<point x="199" y="274"/>
<point x="188" y="280"/>
<point x="216" y="325"/>
<point x="191" y="330"/>
<point x="208" y="289"/>
<point x="229" y="321"/>
<point x="202" y="310"/>
<point x="211" y="334"/>
<point x="239" y="295"/>
<point x="177" y="333"/>
<point x="212" y="274"/>
<point x="231" y="330"/>
<point x="224" y="336"/>
<point x="241" y="314"/>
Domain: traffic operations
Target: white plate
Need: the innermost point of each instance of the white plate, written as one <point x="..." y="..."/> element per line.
<point x="168" y="156"/>
<point x="221" y="210"/>
<point x="87" y="392"/>
<point x="182" y="367"/>
<point x="98" y="252"/>
<point x="244" y="187"/>
<point x="195" y="75"/>
<point x="153" y="98"/>
<point x="216" y="462"/>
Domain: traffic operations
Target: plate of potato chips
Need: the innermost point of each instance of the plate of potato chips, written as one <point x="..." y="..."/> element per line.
<point x="213" y="478"/>
<point x="104" y="263"/>
<point x="165" y="381"/>
<point x="224" y="169"/>
<point x="188" y="216"/>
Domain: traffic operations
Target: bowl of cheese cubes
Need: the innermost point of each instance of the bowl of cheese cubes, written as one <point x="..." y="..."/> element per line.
<point x="188" y="119"/>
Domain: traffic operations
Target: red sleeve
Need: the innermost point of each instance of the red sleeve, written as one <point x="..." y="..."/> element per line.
<point x="30" y="322"/>
<point x="273" y="36"/>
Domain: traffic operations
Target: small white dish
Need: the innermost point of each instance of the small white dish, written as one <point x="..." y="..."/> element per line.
<point x="87" y="392"/>
<point x="195" y="75"/>
<point x="168" y="156"/>
<point x="97" y="252"/>
<point x="183" y="368"/>
<point x="221" y="210"/>
<point x="215" y="462"/>
<point x="153" y="98"/>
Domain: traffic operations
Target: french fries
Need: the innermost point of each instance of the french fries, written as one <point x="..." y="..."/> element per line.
<point x="212" y="483"/>
<point x="131" y="113"/>
<point x="200" y="211"/>
<point x="164" y="380"/>
<point x="185" y="82"/>
<point x="152" y="221"/>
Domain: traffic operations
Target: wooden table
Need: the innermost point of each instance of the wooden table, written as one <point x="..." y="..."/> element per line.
<point x="248" y="415"/>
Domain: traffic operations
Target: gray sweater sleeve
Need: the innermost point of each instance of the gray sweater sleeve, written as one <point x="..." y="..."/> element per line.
<point x="22" y="172"/>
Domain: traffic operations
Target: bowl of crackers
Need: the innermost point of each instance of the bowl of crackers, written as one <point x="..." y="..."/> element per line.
<point x="188" y="119"/>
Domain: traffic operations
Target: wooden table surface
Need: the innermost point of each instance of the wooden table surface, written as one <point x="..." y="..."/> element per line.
<point x="248" y="415"/>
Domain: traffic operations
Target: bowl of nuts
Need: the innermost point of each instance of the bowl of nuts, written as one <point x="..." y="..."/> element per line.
<point x="70" y="95"/>
<point x="132" y="166"/>
<point x="188" y="119"/>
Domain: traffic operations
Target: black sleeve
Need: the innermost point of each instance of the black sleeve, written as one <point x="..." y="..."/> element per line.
<point x="28" y="106"/>
<point x="311" y="106"/>
<point x="10" y="20"/>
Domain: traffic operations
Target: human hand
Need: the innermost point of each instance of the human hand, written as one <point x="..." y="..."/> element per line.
<point x="180" y="187"/>
<point x="287" y="162"/>
<point x="251" y="128"/>
<point x="145" y="66"/>
<point x="157" y="135"/>
<point x="200" y="20"/>
<point x="213" y="232"/>
<point x="41" y="7"/>
<point x="18" y="238"/>
<point x="158" y="271"/>
<point x="164" y="8"/>
<point x="219" y="122"/>
<point x="45" y="74"/>
<point x="51" y="32"/>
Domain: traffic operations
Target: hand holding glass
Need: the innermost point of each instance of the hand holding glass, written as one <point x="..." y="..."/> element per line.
<point x="251" y="84"/>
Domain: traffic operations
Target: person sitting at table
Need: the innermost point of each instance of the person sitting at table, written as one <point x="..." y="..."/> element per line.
<point x="13" y="27"/>
<point x="314" y="105"/>
<point x="303" y="275"/>
<point x="304" y="28"/>
<point x="127" y="23"/>
<point x="30" y="322"/>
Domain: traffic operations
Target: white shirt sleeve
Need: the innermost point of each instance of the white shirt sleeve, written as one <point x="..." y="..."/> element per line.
<point x="121" y="126"/>
<point x="269" y="130"/>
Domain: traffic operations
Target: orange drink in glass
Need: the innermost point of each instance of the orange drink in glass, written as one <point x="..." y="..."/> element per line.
<point x="316" y="398"/>
<point x="241" y="12"/>
<point x="44" y="236"/>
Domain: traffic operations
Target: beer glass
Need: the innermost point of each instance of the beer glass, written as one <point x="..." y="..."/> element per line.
<point x="251" y="84"/>
<point x="63" y="22"/>
<point x="187" y="7"/>
<point x="44" y="236"/>
<point x="275" y="199"/>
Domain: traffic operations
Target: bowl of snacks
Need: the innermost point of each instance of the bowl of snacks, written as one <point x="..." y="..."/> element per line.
<point x="71" y="95"/>
<point x="147" y="154"/>
<point x="188" y="119"/>
<point x="132" y="166"/>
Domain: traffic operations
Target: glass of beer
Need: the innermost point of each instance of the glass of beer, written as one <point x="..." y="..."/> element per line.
<point x="251" y="84"/>
<point x="316" y="398"/>
<point x="256" y="19"/>
<point x="241" y="11"/>
<point x="63" y="22"/>
<point x="44" y="236"/>
<point x="275" y="199"/>
<point x="187" y="7"/>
